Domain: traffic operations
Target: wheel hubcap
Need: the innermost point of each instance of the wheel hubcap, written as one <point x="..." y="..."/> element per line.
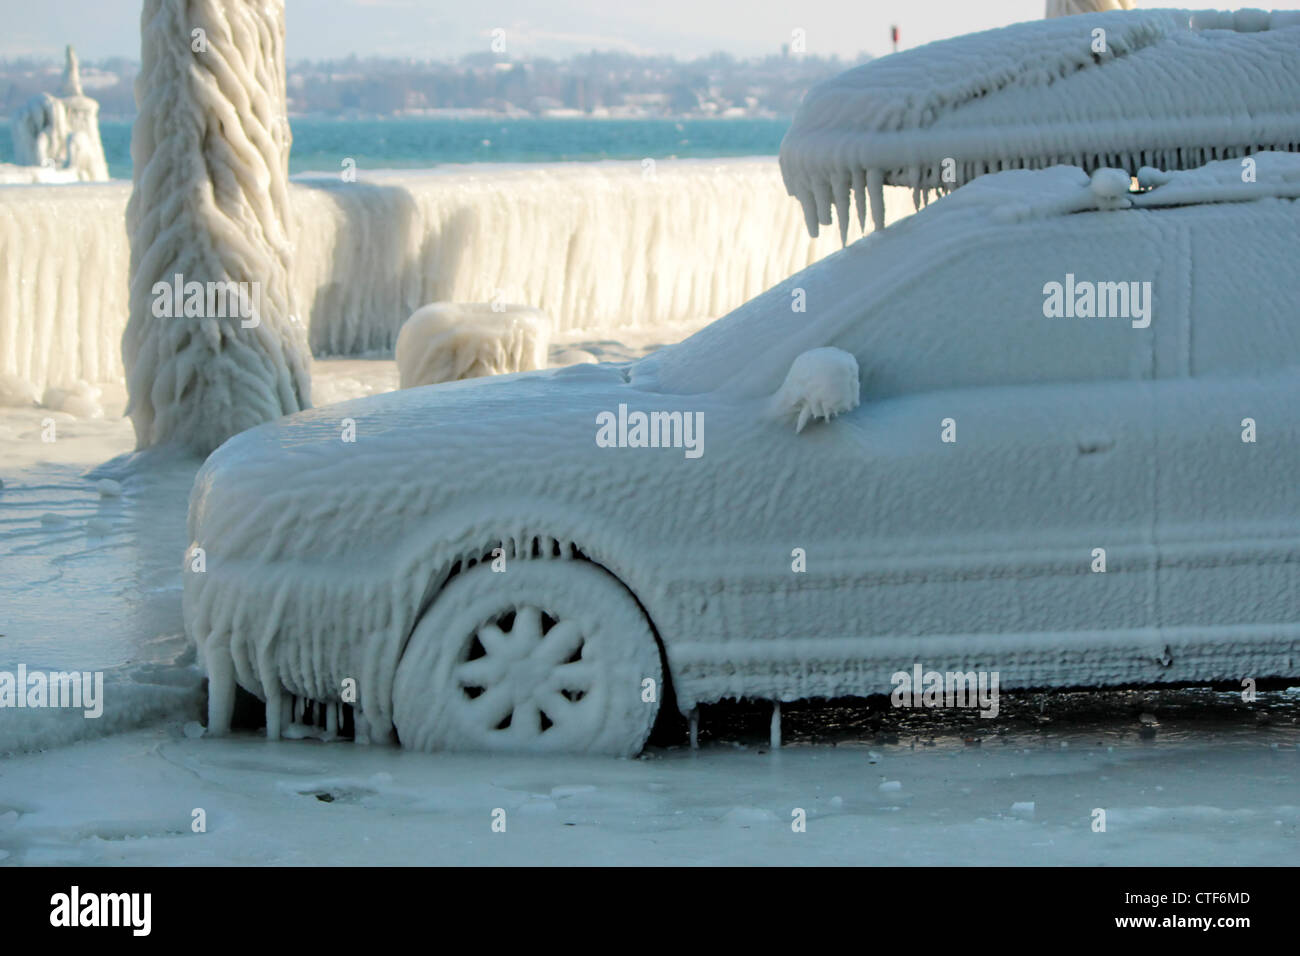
<point x="523" y="674"/>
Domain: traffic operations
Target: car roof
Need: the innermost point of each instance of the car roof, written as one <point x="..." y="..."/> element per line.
<point x="1018" y="194"/>
<point x="1176" y="88"/>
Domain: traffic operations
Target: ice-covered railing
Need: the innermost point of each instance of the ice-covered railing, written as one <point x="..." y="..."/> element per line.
<point x="602" y="248"/>
<point x="1166" y="88"/>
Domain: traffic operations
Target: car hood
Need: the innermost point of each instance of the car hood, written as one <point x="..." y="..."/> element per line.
<point x="343" y="479"/>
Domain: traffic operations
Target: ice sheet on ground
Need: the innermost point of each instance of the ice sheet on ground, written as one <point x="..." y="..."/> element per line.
<point x="1216" y="784"/>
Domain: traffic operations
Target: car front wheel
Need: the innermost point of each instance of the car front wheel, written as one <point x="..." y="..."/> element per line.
<point x="546" y="656"/>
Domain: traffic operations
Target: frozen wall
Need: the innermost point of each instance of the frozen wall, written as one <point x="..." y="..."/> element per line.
<point x="63" y="279"/>
<point x="598" y="246"/>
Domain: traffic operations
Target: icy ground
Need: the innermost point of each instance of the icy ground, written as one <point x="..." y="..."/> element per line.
<point x="90" y="580"/>
<point x="1206" y="783"/>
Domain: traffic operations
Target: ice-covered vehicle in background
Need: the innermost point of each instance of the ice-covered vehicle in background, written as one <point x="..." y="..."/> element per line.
<point x="1040" y="371"/>
<point x="1173" y="89"/>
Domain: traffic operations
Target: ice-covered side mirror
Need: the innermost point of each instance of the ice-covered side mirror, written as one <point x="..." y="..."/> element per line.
<point x="821" y="383"/>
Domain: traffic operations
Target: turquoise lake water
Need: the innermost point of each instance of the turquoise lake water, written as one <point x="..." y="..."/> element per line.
<point x="321" y="145"/>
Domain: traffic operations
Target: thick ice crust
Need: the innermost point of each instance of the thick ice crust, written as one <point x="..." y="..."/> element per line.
<point x="449" y="341"/>
<point x="210" y="204"/>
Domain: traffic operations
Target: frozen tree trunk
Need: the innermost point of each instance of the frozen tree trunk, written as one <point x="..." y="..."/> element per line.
<point x="1069" y="8"/>
<point x="212" y="345"/>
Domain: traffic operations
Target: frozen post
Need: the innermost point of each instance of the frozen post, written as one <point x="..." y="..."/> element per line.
<point x="85" y="151"/>
<point x="212" y="346"/>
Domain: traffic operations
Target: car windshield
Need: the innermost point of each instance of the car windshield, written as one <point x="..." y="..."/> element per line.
<point x="748" y="351"/>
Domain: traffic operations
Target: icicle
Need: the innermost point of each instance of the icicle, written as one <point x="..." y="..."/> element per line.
<point x="694" y="718"/>
<point x="876" y="190"/>
<point x="332" y="718"/>
<point x="860" y="196"/>
<point x="809" y="206"/>
<point x="841" y="191"/>
<point x="775" y="735"/>
<point x="274" y="713"/>
<point x="221" y="686"/>
<point x="822" y="192"/>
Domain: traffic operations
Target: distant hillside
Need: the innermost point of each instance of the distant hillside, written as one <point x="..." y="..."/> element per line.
<point x="593" y="84"/>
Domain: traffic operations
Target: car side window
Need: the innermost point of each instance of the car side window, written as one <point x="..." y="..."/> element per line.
<point x="1067" y="299"/>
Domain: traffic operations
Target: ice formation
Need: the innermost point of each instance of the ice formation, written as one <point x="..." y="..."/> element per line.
<point x="1166" y="88"/>
<point x="1069" y="8"/>
<point x="40" y="131"/>
<point x="598" y="246"/>
<point x="56" y="139"/>
<point x="446" y="341"/>
<point x="1063" y="436"/>
<point x="822" y="383"/>
<point x="210" y="206"/>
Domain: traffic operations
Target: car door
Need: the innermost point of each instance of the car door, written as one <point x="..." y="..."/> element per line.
<point x="1000" y="468"/>
<point x="1228" y="491"/>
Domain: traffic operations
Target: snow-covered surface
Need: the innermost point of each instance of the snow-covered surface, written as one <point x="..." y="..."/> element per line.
<point x="979" y="549"/>
<point x="1171" y="88"/>
<point x="210" y="207"/>
<point x="601" y="247"/>
<point x="446" y="341"/>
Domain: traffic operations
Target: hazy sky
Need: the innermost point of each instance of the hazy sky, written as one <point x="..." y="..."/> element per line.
<point x="435" y="29"/>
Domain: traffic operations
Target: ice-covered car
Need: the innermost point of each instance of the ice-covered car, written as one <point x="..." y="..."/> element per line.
<point x="1072" y="461"/>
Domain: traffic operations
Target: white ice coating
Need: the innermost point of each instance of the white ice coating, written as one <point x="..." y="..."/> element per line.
<point x="446" y="342"/>
<point x="210" y="204"/>
<point x="56" y="139"/>
<point x="1070" y="434"/>
<point x="1171" y="88"/>
<point x="1069" y="8"/>
<point x="598" y="246"/>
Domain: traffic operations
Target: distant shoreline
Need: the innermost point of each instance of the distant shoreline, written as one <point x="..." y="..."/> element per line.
<point x="323" y="142"/>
